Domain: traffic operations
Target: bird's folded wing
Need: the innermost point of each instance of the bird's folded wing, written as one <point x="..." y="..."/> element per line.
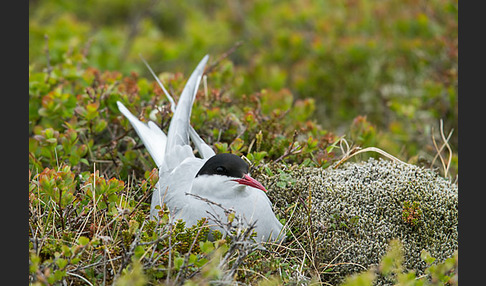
<point x="204" y="150"/>
<point x="152" y="137"/>
<point x="180" y="124"/>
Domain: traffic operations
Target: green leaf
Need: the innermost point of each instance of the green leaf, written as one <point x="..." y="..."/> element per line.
<point x="51" y="140"/>
<point x="201" y="262"/>
<point x="426" y="257"/>
<point x="66" y="251"/>
<point x="236" y="145"/>
<point x="59" y="274"/>
<point x="206" y="247"/>
<point x="231" y="217"/>
<point x="61" y="263"/>
<point x="269" y="171"/>
<point x="192" y="258"/>
<point x="100" y="126"/>
<point x="49" y="132"/>
<point x="139" y="251"/>
<point x="133" y="225"/>
<point x="178" y="261"/>
<point x="361" y="279"/>
<point x="83" y="240"/>
<point x="392" y="261"/>
<point x="221" y="147"/>
<point x="35" y="260"/>
<point x="92" y="110"/>
<point x="75" y="260"/>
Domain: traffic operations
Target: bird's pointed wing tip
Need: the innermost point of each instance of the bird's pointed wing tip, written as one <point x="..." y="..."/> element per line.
<point x="121" y="107"/>
<point x="205" y="59"/>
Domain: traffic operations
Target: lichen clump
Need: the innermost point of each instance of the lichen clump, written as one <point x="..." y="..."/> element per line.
<point x="355" y="210"/>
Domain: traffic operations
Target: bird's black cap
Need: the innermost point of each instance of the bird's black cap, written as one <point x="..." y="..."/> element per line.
<point x="225" y="164"/>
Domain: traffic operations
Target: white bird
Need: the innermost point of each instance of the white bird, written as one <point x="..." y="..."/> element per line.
<point x="183" y="177"/>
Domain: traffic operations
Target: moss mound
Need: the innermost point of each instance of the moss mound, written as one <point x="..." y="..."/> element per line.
<point x="346" y="217"/>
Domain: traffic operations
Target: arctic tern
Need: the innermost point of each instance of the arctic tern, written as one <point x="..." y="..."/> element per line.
<point x="184" y="178"/>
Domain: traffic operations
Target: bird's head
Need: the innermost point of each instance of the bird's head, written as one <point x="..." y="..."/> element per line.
<point x="228" y="169"/>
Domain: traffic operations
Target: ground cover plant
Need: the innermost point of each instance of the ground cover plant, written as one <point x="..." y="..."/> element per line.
<point x="90" y="178"/>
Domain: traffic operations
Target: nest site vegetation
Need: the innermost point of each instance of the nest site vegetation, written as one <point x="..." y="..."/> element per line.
<point x="349" y="215"/>
<point x="90" y="182"/>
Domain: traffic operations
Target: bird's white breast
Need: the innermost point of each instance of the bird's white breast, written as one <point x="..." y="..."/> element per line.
<point x="250" y="203"/>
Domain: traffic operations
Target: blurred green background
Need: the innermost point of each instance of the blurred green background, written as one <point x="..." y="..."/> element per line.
<point x="387" y="66"/>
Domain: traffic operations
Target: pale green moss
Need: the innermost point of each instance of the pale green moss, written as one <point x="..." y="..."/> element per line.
<point x="358" y="208"/>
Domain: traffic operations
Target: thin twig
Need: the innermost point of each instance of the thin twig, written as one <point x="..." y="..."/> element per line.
<point x="439" y="150"/>
<point x="223" y="56"/>
<point x="348" y="153"/>
<point x="226" y="211"/>
<point x="97" y="263"/>
<point x="84" y="52"/>
<point x="291" y="150"/>
<point x="48" y="58"/>
<point x="337" y="256"/>
<point x="80" y="277"/>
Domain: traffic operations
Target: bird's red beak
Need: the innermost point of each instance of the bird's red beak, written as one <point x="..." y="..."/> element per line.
<point x="249" y="181"/>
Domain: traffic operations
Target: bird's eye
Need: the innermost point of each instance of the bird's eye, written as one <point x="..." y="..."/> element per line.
<point x="220" y="169"/>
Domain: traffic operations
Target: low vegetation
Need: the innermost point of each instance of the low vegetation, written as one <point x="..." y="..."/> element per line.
<point x="91" y="182"/>
<point x="354" y="214"/>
